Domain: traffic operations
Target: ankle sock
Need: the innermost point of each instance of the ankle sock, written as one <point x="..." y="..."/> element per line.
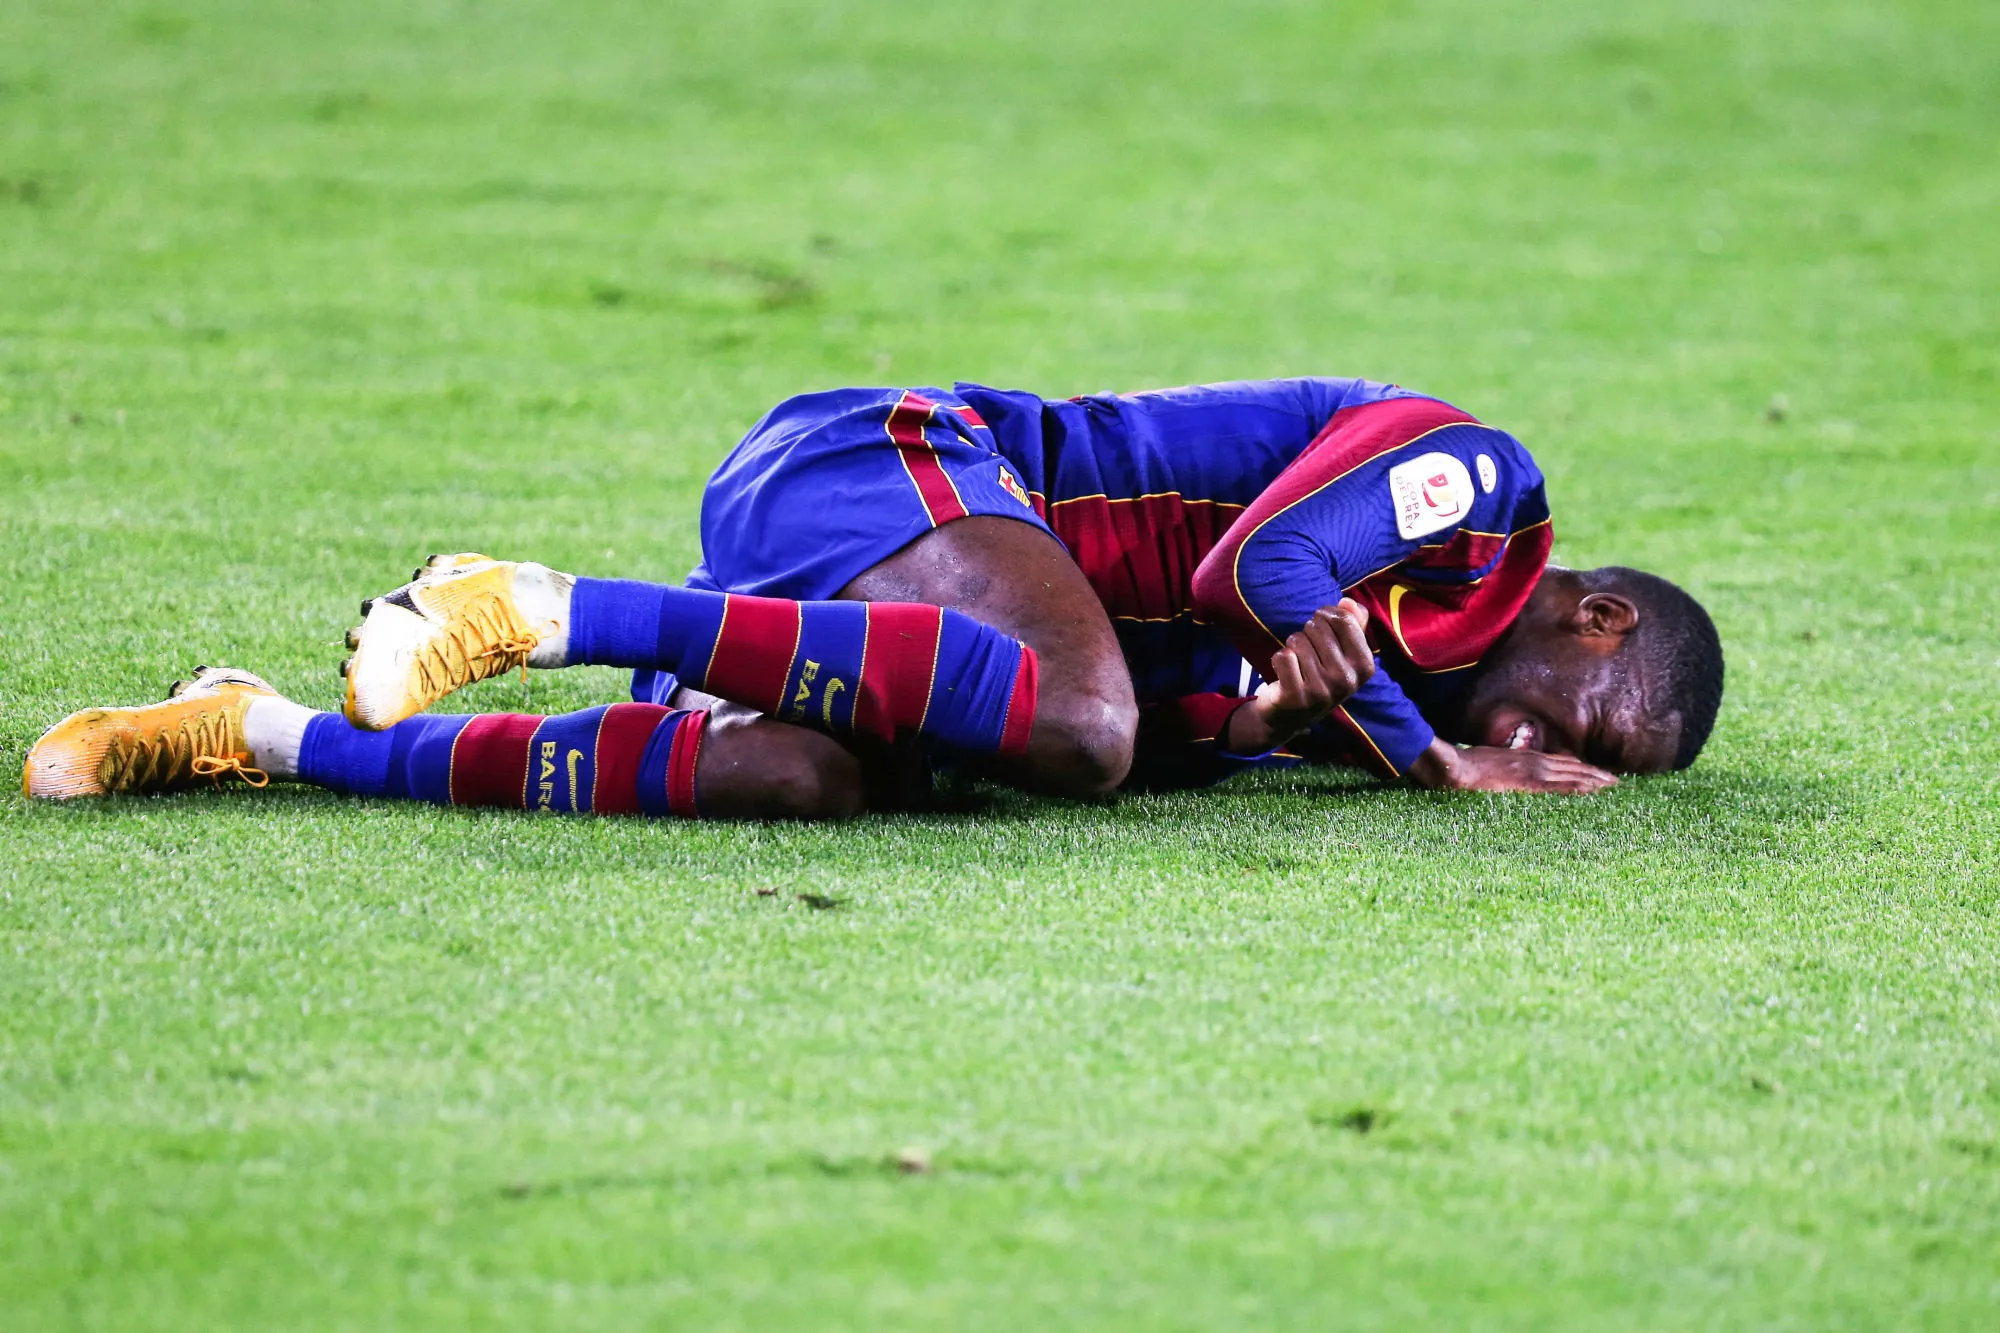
<point x="274" y="729"/>
<point x="543" y="597"/>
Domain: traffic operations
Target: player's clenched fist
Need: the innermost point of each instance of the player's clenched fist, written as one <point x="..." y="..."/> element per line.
<point x="1316" y="671"/>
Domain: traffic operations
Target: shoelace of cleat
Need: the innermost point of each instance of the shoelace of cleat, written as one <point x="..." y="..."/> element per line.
<point x="484" y="639"/>
<point x="231" y="765"/>
<point x="202" y="746"/>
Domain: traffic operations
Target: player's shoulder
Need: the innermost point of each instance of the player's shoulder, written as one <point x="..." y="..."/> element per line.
<point x="1443" y="466"/>
<point x="1436" y="423"/>
<point x="1495" y="455"/>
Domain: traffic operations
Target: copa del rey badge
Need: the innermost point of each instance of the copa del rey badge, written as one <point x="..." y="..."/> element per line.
<point x="1430" y="494"/>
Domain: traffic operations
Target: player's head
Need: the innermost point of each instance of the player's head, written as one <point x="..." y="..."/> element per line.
<point x="1614" y="665"/>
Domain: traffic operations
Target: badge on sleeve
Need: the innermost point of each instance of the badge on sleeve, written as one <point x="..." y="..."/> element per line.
<point x="1430" y="494"/>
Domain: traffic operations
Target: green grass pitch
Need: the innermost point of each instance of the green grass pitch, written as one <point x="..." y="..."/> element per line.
<point x="293" y="293"/>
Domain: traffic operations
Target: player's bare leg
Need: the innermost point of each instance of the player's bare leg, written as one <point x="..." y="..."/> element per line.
<point x="1020" y="581"/>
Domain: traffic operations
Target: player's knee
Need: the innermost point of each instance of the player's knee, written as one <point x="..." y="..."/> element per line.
<point x="1084" y="743"/>
<point x="815" y="782"/>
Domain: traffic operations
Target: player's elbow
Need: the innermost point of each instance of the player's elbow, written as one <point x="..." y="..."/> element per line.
<point x="1220" y="604"/>
<point x="1214" y="592"/>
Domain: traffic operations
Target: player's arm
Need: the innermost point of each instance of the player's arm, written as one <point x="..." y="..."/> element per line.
<point x="1318" y="669"/>
<point x="1325" y="524"/>
<point x="1199" y="739"/>
<point x="1356" y="502"/>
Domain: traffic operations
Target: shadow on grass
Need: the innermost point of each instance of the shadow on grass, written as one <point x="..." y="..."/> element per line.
<point x="1778" y="799"/>
<point x="1270" y="823"/>
<point x="1706" y="824"/>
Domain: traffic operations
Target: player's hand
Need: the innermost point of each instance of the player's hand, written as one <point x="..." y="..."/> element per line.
<point x="1316" y="671"/>
<point x="1490" y="768"/>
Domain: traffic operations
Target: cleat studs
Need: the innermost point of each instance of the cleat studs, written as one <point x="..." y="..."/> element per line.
<point x="354" y="638"/>
<point x="174" y="690"/>
<point x="418" y="573"/>
<point x="203" y="670"/>
<point x="346" y="664"/>
<point x="367" y="605"/>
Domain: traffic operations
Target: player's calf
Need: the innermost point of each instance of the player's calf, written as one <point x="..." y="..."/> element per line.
<point x="880" y="670"/>
<point x="753" y="767"/>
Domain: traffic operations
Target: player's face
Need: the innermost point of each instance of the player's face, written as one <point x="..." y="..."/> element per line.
<point x="1560" y="696"/>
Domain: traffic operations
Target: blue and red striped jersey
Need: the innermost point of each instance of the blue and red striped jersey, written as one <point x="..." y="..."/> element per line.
<point x="1213" y="520"/>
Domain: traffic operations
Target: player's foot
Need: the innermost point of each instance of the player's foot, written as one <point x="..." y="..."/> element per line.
<point x="195" y="736"/>
<point x="461" y="619"/>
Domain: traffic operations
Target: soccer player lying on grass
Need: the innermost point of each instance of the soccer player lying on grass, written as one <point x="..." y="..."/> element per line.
<point x="1200" y="579"/>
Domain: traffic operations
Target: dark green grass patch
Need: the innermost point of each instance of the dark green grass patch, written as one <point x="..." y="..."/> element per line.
<point x="291" y="295"/>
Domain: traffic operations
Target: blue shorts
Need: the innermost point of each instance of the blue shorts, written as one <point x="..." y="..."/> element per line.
<point x="829" y="485"/>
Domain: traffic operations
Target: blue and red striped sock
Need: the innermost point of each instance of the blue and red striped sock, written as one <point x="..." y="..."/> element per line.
<point x="880" y="669"/>
<point x="618" y="759"/>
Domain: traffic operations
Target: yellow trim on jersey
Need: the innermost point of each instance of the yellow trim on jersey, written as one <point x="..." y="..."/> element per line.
<point x="1469" y="583"/>
<point x="1131" y="499"/>
<point x="936" y="650"/>
<point x="1394" y="772"/>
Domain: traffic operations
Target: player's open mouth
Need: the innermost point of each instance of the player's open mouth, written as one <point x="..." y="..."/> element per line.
<point x="1522" y="737"/>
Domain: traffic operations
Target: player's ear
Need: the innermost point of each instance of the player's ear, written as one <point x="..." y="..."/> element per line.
<point x="1603" y="615"/>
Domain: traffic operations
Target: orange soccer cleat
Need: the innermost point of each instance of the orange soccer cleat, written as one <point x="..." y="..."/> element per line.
<point x="456" y="622"/>
<point x="196" y="735"/>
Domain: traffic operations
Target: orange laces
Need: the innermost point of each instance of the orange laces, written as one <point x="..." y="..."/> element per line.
<point x="229" y="765"/>
<point x="484" y="639"/>
<point x="205" y="745"/>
